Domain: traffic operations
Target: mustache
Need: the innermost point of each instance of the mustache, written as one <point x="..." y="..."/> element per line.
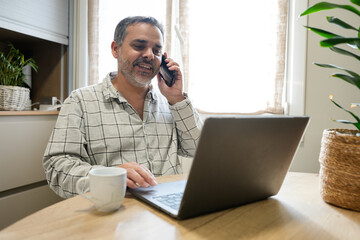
<point x="142" y="60"/>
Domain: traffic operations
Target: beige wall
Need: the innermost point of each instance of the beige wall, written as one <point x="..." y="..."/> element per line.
<point x="319" y="85"/>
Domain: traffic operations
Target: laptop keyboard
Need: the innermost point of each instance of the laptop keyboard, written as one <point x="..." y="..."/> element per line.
<point x="172" y="200"/>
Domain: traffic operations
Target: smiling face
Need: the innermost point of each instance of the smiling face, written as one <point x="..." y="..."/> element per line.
<point x="139" y="56"/>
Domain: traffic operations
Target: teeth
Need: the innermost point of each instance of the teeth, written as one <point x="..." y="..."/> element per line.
<point x="144" y="66"/>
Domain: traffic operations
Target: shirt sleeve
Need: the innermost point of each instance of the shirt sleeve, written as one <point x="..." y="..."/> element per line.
<point x="188" y="125"/>
<point x="66" y="159"/>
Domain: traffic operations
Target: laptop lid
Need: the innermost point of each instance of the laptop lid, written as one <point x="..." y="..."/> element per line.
<point x="238" y="160"/>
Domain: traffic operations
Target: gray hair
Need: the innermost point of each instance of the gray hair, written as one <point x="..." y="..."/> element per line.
<point x="121" y="28"/>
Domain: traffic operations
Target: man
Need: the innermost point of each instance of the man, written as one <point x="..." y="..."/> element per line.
<point x="124" y="121"/>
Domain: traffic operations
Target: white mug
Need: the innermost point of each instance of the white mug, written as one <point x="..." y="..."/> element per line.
<point x="107" y="188"/>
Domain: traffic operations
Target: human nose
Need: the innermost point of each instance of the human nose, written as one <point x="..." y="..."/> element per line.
<point x="148" y="53"/>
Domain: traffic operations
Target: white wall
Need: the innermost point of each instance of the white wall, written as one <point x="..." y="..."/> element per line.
<point x="318" y="86"/>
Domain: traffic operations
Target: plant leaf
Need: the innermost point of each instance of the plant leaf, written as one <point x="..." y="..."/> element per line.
<point x="357" y="125"/>
<point x="341" y="23"/>
<point x="351" y="113"/>
<point x="344" y="121"/>
<point x="327" y="6"/>
<point x="356" y="2"/>
<point x="339" y="40"/>
<point x="355" y="75"/>
<point x="345" y="52"/>
<point x="11" y="67"/>
<point x="322" y="33"/>
<point x="347" y="78"/>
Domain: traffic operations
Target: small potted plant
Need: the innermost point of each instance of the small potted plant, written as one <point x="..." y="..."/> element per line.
<point x="340" y="148"/>
<point x="13" y="94"/>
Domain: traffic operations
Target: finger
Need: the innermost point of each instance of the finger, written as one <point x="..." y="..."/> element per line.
<point x="146" y="169"/>
<point x="172" y="63"/>
<point x="152" y="181"/>
<point x="141" y="176"/>
<point x="174" y="68"/>
<point x="148" y="176"/>
<point x="134" y="176"/>
<point x="177" y="70"/>
<point x="131" y="184"/>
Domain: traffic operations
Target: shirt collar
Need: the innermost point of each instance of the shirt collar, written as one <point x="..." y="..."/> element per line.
<point x="110" y="91"/>
<point x="151" y="94"/>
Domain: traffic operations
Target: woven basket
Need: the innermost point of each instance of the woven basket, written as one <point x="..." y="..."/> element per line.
<point x="13" y="98"/>
<point x="340" y="168"/>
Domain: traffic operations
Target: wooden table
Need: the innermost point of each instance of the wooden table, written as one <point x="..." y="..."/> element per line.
<point x="297" y="212"/>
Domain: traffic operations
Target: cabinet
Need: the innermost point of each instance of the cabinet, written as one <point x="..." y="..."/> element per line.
<point x="40" y="29"/>
<point x="44" y="19"/>
<point x="23" y="188"/>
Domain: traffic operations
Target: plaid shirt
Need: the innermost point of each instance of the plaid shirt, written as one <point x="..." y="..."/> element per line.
<point x="97" y="127"/>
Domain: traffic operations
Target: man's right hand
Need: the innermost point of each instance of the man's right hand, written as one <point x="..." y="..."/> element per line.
<point x="138" y="175"/>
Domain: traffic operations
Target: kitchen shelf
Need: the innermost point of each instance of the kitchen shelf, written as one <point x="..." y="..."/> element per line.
<point x="27" y="113"/>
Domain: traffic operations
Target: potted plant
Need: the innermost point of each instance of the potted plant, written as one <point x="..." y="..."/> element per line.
<point x="340" y="148"/>
<point x="13" y="94"/>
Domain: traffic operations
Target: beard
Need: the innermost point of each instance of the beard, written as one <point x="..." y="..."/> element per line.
<point x="137" y="79"/>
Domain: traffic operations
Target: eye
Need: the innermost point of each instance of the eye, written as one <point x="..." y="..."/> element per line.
<point x="157" y="51"/>
<point x="138" y="47"/>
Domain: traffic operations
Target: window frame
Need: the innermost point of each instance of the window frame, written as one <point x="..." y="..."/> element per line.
<point x="294" y="92"/>
<point x="296" y="59"/>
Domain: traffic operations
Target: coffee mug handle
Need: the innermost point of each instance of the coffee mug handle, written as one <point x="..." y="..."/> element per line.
<point x="80" y="190"/>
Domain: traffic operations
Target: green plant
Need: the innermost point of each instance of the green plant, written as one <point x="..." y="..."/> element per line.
<point x="332" y="41"/>
<point x="11" y="66"/>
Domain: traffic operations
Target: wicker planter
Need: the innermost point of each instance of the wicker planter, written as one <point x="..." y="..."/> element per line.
<point x="13" y="98"/>
<point x="340" y="168"/>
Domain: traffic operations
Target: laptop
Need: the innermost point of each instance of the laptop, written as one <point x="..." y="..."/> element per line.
<point x="238" y="160"/>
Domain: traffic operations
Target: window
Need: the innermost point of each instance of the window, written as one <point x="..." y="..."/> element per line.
<point x="234" y="55"/>
<point x="236" y="49"/>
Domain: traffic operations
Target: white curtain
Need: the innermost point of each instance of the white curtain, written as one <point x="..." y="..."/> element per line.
<point x="93" y="41"/>
<point x="237" y="56"/>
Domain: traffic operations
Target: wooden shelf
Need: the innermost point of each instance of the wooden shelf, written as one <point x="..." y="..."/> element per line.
<point x="27" y="113"/>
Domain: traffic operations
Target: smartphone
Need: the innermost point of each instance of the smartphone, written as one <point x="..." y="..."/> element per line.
<point x="166" y="74"/>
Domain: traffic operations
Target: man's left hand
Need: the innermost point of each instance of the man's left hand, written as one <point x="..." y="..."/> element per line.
<point x="174" y="93"/>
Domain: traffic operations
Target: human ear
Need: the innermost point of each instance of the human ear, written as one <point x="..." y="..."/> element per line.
<point x="115" y="49"/>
